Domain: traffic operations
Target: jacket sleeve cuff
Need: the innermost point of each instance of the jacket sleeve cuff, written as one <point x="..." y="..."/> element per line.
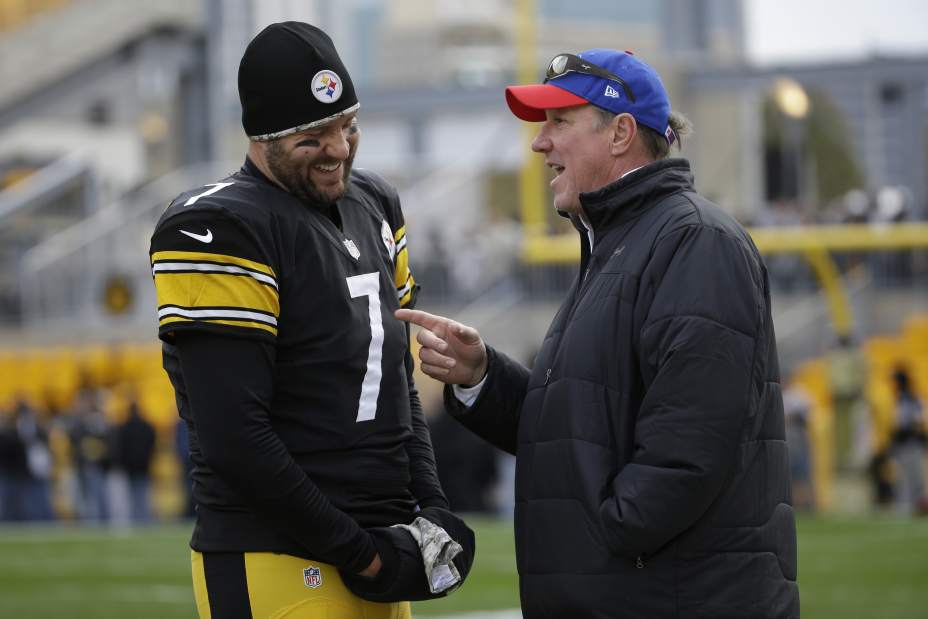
<point x="459" y="401"/>
<point x="366" y="551"/>
<point x="468" y="395"/>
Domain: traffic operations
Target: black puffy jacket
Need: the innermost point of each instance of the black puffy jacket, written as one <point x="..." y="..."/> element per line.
<point x="651" y="476"/>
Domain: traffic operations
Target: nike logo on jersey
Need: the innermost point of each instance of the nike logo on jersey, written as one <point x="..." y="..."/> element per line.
<point x="203" y="238"/>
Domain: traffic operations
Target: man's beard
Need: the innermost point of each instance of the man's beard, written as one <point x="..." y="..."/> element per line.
<point x="297" y="180"/>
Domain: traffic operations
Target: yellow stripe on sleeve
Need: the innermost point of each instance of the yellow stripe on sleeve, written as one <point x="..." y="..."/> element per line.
<point x="401" y="271"/>
<point x="406" y="298"/>
<point x="192" y="290"/>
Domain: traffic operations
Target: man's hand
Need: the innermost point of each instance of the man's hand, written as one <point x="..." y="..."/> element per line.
<point x="373" y="569"/>
<point x="451" y="352"/>
<point x="404" y="574"/>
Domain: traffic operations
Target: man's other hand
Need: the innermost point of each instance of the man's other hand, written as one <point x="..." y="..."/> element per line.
<point x="450" y="352"/>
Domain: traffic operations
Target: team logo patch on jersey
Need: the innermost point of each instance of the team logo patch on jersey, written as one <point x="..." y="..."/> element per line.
<point x="352" y="248"/>
<point x="312" y="576"/>
<point x="327" y="86"/>
<point x="387" y="235"/>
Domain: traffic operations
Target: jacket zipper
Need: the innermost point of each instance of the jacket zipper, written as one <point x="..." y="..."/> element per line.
<point x="639" y="563"/>
<point x="585" y="267"/>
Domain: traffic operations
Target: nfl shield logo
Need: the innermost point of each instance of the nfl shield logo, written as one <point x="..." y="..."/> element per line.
<point x="312" y="577"/>
<point x="352" y="248"/>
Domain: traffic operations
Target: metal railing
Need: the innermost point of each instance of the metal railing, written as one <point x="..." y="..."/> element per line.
<point x="46" y="186"/>
<point x="63" y="277"/>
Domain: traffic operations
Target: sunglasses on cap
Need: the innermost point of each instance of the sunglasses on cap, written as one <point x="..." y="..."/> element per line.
<point x="568" y="63"/>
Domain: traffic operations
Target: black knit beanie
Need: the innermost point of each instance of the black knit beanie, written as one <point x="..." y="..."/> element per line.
<point x="291" y="79"/>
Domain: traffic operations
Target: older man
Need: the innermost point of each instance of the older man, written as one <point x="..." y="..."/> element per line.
<point x="652" y="474"/>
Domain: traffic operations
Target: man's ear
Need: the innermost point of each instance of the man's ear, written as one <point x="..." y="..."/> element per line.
<point x="624" y="129"/>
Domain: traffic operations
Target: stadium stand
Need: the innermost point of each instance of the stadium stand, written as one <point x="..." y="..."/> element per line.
<point x="49" y="379"/>
<point x="883" y="355"/>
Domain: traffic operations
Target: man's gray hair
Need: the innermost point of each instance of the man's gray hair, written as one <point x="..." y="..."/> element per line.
<point x="655" y="143"/>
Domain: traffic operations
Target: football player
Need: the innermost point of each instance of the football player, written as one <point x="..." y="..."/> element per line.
<point x="276" y="290"/>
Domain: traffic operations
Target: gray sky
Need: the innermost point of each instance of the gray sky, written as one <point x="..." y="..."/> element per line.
<point x="810" y="30"/>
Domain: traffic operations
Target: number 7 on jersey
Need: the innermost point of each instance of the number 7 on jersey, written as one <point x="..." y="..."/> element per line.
<point x="368" y="285"/>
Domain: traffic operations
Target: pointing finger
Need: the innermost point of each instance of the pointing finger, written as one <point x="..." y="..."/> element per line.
<point x="420" y="318"/>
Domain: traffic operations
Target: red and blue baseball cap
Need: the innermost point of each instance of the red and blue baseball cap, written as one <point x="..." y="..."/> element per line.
<point x="615" y="81"/>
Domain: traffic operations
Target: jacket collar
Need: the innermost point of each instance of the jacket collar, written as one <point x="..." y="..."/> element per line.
<point x="634" y="193"/>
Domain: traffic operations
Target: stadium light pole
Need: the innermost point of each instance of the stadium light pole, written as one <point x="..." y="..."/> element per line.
<point x="793" y="102"/>
<point x="530" y="176"/>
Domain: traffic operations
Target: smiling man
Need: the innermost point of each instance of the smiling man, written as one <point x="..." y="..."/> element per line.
<point x="651" y="466"/>
<point x="276" y="289"/>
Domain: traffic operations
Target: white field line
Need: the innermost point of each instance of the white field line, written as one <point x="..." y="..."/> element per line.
<point x="156" y="594"/>
<point x="512" y="613"/>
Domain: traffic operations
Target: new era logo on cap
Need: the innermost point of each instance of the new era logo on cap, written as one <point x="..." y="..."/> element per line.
<point x="611" y="92"/>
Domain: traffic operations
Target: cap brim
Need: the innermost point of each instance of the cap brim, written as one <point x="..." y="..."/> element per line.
<point x="530" y="101"/>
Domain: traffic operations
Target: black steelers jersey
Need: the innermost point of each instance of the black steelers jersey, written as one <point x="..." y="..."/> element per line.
<point x="244" y="258"/>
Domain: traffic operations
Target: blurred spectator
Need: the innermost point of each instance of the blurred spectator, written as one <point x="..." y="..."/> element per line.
<point x="505" y="486"/>
<point x="908" y="445"/>
<point x="434" y="272"/>
<point x="881" y="475"/>
<point x="26" y="464"/>
<point x="9" y="458"/>
<point x="796" y="408"/>
<point x="856" y="207"/>
<point x="89" y="435"/>
<point x="134" y="448"/>
<point x="182" y="447"/>
<point x="847" y="372"/>
<point x="893" y="206"/>
<point x="466" y="464"/>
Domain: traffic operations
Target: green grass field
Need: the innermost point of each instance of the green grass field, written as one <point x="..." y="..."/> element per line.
<point x="848" y="567"/>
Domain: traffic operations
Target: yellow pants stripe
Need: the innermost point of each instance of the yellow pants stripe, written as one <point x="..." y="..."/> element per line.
<point x="199" y="586"/>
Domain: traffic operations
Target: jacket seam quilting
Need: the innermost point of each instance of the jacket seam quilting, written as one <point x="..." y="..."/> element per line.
<point x="658" y="321"/>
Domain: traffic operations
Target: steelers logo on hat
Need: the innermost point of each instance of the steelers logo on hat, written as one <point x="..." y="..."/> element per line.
<point x="327" y="86"/>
